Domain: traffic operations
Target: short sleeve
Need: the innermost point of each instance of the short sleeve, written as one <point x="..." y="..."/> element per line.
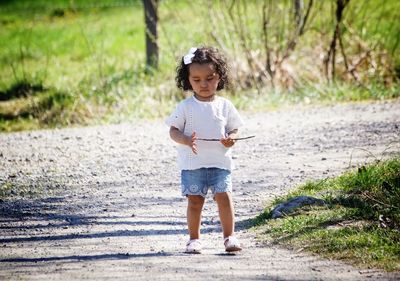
<point x="177" y="118"/>
<point x="234" y="120"/>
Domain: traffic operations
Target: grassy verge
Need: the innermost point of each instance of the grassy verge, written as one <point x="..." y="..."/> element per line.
<point x="52" y="108"/>
<point x="322" y="94"/>
<point x="360" y="222"/>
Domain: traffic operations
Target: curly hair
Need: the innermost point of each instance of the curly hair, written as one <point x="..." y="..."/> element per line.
<point x="203" y="55"/>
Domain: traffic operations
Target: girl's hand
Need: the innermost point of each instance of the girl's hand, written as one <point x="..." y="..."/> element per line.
<point x="228" y="142"/>
<point x="191" y="141"/>
<point x="179" y="137"/>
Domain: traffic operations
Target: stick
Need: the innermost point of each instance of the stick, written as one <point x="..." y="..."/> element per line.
<point x="244" y="138"/>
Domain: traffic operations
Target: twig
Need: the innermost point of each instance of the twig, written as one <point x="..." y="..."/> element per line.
<point x="244" y="138"/>
<point x="363" y="149"/>
<point x="365" y="194"/>
<point x="389" y="146"/>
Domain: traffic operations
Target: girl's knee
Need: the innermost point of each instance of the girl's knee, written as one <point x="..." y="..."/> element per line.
<point x="222" y="196"/>
<point x="195" y="201"/>
<point x="224" y="199"/>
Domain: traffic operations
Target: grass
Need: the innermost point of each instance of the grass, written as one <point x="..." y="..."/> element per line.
<point x="360" y="222"/>
<point x="90" y="56"/>
<point x="34" y="189"/>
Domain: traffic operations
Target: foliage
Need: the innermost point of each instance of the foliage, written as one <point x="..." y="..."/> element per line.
<point x="93" y="52"/>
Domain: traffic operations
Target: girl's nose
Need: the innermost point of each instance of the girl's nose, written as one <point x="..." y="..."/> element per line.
<point x="203" y="84"/>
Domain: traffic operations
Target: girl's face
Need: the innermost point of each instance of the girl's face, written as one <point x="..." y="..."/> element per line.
<point x="204" y="80"/>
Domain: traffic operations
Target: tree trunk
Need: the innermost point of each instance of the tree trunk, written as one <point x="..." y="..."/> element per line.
<point x="331" y="57"/>
<point x="151" y="18"/>
<point x="298" y="13"/>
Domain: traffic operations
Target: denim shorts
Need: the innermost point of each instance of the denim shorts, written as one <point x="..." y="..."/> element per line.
<point x="197" y="182"/>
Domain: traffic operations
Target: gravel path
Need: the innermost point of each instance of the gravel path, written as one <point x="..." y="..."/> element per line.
<point x="110" y="207"/>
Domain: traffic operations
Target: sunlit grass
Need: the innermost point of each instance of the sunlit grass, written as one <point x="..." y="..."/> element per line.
<point x="94" y="51"/>
<point x="360" y="222"/>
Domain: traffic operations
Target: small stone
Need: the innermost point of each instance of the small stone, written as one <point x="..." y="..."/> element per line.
<point x="288" y="207"/>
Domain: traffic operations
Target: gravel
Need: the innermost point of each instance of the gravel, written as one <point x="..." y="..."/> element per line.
<point x="103" y="203"/>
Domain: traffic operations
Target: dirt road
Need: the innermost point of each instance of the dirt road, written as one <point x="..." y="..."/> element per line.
<point x="111" y="209"/>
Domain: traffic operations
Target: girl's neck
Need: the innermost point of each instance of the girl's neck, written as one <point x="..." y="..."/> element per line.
<point x="205" y="99"/>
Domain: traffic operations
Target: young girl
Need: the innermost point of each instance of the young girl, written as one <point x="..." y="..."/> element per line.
<point x="196" y="123"/>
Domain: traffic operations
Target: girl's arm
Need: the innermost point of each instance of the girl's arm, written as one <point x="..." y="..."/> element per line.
<point x="181" y="138"/>
<point x="228" y="141"/>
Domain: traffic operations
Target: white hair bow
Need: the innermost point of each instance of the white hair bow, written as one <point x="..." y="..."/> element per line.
<point x="187" y="59"/>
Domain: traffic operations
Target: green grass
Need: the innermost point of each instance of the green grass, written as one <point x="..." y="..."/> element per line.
<point x="93" y="53"/>
<point x="360" y="222"/>
<point x="35" y="189"/>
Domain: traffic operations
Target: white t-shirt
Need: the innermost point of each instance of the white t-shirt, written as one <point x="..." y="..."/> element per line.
<point x="210" y="120"/>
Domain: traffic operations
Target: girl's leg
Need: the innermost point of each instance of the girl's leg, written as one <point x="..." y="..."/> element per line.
<point x="195" y="206"/>
<point x="226" y="212"/>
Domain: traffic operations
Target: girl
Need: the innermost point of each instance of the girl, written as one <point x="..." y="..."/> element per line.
<point x="196" y="123"/>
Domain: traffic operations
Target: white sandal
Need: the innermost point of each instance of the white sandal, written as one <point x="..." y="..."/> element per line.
<point x="193" y="246"/>
<point x="232" y="244"/>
